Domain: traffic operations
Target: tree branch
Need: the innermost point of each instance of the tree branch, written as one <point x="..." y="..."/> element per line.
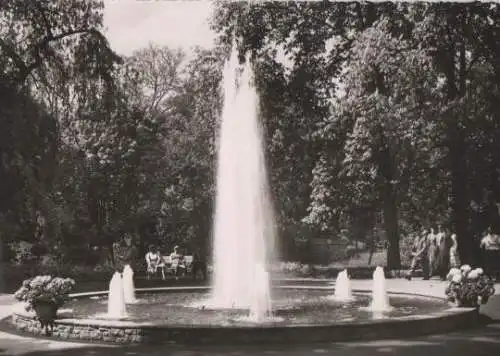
<point x="46" y="22"/>
<point x="26" y="70"/>
<point x="9" y="51"/>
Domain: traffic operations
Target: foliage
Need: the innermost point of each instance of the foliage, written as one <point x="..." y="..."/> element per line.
<point x="48" y="289"/>
<point x="379" y="118"/>
<point x="406" y="248"/>
<point x="394" y="108"/>
<point x="54" y="34"/>
<point x="468" y="286"/>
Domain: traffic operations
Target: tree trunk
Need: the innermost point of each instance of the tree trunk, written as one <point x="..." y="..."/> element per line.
<point x="391" y="228"/>
<point x="372" y="248"/>
<point x="459" y="214"/>
<point x="390" y="209"/>
<point x="457" y="152"/>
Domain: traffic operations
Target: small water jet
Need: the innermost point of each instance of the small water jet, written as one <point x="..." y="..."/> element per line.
<point x="128" y="285"/>
<point x="343" y="290"/>
<point x="380" y="298"/>
<point x="116" y="298"/>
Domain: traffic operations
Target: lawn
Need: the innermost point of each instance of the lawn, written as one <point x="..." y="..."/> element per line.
<point x="360" y="259"/>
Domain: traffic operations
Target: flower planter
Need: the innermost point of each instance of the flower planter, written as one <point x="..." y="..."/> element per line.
<point x="468" y="288"/>
<point x="465" y="303"/>
<point x="46" y="311"/>
<point x="45" y="295"/>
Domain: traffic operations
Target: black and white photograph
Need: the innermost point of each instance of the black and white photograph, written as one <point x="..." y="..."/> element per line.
<point x="249" y="178"/>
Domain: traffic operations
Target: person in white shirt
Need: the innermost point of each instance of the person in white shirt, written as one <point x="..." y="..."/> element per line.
<point x="491" y="241"/>
<point x="490" y="252"/>
<point x="153" y="260"/>
<point x="454" y="260"/>
<point x="440" y="235"/>
<point x="177" y="261"/>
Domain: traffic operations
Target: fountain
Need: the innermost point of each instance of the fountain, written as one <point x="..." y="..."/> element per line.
<point x="260" y="310"/>
<point x="239" y="308"/>
<point x="243" y="226"/>
<point x="380" y="298"/>
<point x="128" y="285"/>
<point x="116" y="298"/>
<point x="343" y="290"/>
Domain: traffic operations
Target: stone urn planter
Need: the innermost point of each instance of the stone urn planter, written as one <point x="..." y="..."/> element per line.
<point x="465" y="303"/>
<point x="46" y="313"/>
<point x="468" y="288"/>
<point x="45" y="295"/>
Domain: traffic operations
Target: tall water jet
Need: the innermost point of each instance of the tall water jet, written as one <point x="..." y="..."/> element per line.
<point x="116" y="298"/>
<point x="380" y="298"/>
<point x="243" y="222"/>
<point x="128" y="285"/>
<point x="343" y="289"/>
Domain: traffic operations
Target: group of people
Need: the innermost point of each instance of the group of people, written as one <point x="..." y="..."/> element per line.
<point x="154" y="261"/>
<point x="435" y="251"/>
<point x="177" y="263"/>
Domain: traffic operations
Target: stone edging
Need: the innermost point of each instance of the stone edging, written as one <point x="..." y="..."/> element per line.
<point x="126" y="332"/>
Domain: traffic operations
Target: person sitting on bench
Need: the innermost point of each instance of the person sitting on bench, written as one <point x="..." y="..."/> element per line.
<point x="177" y="261"/>
<point x="153" y="259"/>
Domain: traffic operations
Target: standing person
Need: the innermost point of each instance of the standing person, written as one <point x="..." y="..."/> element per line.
<point x="443" y="260"/>
<point x="130" y="255"/>
<point x="124" y="252"/>
<point x="117" y="257"/>
<point x="454" y="260"/>
<point x="440" y="234"/>
<point x="420" y="256"/>
<point x="490" y="251"/>
<point x="432" y="252"/>
<point x="199" y="265"/>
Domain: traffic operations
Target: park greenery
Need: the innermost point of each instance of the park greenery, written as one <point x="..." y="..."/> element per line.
<point x="380" y="118"/>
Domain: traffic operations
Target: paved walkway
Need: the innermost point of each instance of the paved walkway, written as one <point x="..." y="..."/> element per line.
<point x="480" y="341"/>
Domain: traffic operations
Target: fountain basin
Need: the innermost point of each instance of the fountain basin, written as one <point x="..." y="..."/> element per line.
<point x="433" y="316"/>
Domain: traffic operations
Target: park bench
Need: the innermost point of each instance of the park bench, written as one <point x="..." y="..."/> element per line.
<point x="168" y="267"/>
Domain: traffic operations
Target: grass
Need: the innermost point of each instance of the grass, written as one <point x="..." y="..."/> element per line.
<point x="361" y="259"/>
<point x="88" y="278"/>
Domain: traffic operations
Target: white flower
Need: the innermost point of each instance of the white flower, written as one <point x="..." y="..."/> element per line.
<point x="473" y="275"/>
<point x="457" y="278"/>
<point x="479" y="271"/>
<point x="453" y="272"/>
<point x="466" y="268"/>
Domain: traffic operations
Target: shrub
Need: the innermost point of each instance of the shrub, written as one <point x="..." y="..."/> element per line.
<point x="405" y="249"/>
<point x="48" y="289"/>
<point x="22" y="252"/>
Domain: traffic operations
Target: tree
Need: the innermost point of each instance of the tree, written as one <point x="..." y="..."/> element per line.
<point x="461" y="39"/>
<point x="53" y="32"/>
<point x="43" y="45"/>
<point x="319" y="41"/>
<point x="389" y="100"/>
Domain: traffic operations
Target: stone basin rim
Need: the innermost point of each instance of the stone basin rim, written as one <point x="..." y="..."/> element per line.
<point x="111" y="332"/>
<point x="119" y="324"/>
